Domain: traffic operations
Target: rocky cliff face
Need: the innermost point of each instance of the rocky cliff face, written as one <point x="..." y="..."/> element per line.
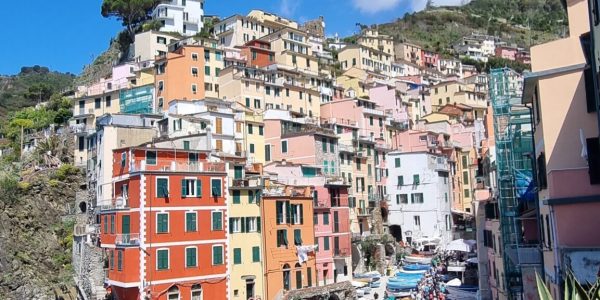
<point x="36" y="236"/>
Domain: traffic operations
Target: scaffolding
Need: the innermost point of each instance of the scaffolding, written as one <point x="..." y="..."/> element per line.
<point x="513" y="137"/>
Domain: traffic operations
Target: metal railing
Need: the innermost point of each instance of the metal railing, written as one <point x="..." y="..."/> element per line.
<point x="343" y="252"/>
<point x="129" y="239"/>
<point x="245" y="183"/>
<point x="173" y="166"/>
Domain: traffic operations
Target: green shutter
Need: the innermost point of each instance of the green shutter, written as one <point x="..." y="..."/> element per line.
<point x="297" y="237"/>
<point x="301" y="213"/>
<point x="120" y="260"/>
<point x="247" y="102"/>
<point x="184" y="190"/>
<point x="256" y="254"/>
<point x="237" y="256"/>
<point x="258" y="224"/>
<point x="326" y="243"/>
<point x="284" y="148"/>
<point x="250" y="197"/>
<point x="285" y="240"/>
<point x="217" y="255"/>
<point x="190" y="222"/>
<point x="112" y="223"/>
<point x="324" y="144"/>
<point x="216" y="220"/>
<point x="288" y="210"/>
<point x="279" y="212"/>
<point x="162" y="225"/>
<point x="162" y="187"/>
<point x="105" y="224"/>
<point x="231" y="225"/>
<point x="186" y="145"/>
<point x="243" y="224"/>
<point x="236" y="197"/>
<point x="216" y="187"/>
<point x="199" y="188"/>
<point x="163" y="259"/>
<point x="190" y="257"/>
<point x="325" y="219"/>
<point x="397" y="162"/>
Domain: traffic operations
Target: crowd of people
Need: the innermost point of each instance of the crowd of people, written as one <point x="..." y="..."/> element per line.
<point x="431" y="286"/>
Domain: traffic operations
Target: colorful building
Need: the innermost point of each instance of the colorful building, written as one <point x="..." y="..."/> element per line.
<point x="165" y="234"/>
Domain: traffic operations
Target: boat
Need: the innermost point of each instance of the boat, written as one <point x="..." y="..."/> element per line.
<point x="416" y="267"/>
<point x="462" y="292"/>
<point x="403" y="271"/>
<point x="418" y="259"/>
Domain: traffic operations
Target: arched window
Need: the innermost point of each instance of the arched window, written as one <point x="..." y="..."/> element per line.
<point x="173" y="293"/>
<point x="286" y="277"/>
<point x="196" y="292"/>
<point x="298" y="276"/>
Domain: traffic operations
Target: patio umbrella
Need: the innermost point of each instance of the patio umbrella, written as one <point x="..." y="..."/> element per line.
<point x="458" y="245"/>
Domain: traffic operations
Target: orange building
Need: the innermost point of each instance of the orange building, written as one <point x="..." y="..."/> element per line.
<point x="258" y="53"/>
<point x="165" y="234"/>
<point x="179" y="75"/>
<point x="287" y="216"/>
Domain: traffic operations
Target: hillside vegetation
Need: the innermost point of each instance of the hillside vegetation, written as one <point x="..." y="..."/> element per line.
<point x="523" y="22"/>
<point x="31" y="86"/>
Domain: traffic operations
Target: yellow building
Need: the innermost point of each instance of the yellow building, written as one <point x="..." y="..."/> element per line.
<point x="244" y="234"/>
<point x="366" y="58"/>
<point x="456" y="92"/>
<point x="372" y="39"/>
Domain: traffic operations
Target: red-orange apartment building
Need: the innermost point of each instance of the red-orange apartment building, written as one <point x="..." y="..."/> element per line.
<point x="165" y="233"/>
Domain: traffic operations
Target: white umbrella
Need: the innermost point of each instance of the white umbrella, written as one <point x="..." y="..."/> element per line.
<point x="458" y="245"/>
<point x="454" y="282"/>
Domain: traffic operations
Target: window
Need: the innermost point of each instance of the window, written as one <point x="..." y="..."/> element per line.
<point x="402" y="199"/>
<point x="331" y="146"/>
<point x="119" y="260"/>
<point x="195" y="72"/>
<point x="207" y="70"/>
<point x="215" y="187"/>
<point x="237" y="256"/>
<point x="250" y="129"/>
<point x="282" y="237"/>
<point x="251" y="148"/>
<point x="272" y="58"/>
<point x="448" y="222"/>
<point x="464" y="162"/>
<point x="467" y="193"/>
<point x="326" y="243"/>
<point x="416" y="180"/>
<point x="297" y="214"/>
<point x="217" y="255"/>
<point x="541" y="170"/>
<point x="190" y="221"/>
<point x="325" y="219"/>
<point x="186" y="145"/>
<point x="397" y="162"/>
<point x="284" y="146"/>
<point x="108" y="101"/>
<point x="371" y="120"/>
<point x="257" y="103"/>
<point x="97" y="103"/>
<point x="261" y="130"/>
<point x="247" y="102"/>
<point x="195" y="56"/>
<point x="256" y="254"/>
<point x="417" y="221"/>
<point x="268" y="90"/>
<point x="190" y="257"/>
<point x="416" y="198"/>
<point x="162" y="223"/>
<point x="286" y="277"/>
<point x="297" y="237"/>
<point x="162" y="259"/>
<point x="206" y="55"/>
<point x="151" y="157"/>
<point x="194" y="89"/>
<point x="217" y="220"/>
<point x="191" y="188"/>
<point x="466" y="177"/>
<point x="196" y="292"/>
<point x="400" y="180"/>
<point x="162" y="187"/>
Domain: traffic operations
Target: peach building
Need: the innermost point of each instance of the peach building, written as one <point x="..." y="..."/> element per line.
<point x="564" y="104"/>
<point x="287" y="214"/>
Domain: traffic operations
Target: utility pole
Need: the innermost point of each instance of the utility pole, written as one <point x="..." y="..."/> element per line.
<point x="22" y="138"/>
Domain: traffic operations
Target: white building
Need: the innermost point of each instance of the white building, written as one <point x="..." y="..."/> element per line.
<point x="420" y="197"/>
<point x="182" y="16"/>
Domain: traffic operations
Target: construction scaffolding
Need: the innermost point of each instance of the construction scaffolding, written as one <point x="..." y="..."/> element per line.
<point x="514" y="149"/>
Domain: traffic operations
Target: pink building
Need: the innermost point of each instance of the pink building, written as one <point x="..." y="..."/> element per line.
<point x="567" y="150"/>
<point x="331" y="215"/>
<point x="430" y="59"/>
<point x="506" y="52"/>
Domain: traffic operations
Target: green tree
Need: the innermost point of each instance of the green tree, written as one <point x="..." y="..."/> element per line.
<point x="131" y="12"/>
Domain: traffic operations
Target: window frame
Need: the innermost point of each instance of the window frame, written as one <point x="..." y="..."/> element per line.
<point x="195" y="257"/>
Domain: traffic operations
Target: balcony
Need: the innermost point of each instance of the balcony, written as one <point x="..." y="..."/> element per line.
<point x="246" y="183"/>
<point x="375" y="112"/>
<point x="335" y="180"/>
<point x="324" y="204"/>
<point x="82" y="129"/>
<point x="120" y="203"/>
<point x="173" y="166"/>
<point x="191" y="21"/>
<point x="365" y="211"/>
<point x="127" y="240"/>
<point x="346" y="148"/>
<point x="525" y="254"/>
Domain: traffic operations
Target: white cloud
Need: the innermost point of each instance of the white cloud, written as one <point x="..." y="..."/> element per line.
<point x="418" y="5"/>
<point x="288" y="8"/>
<point x="374" y="6"/>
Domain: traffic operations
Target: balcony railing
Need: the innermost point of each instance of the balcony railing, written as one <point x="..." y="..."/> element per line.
<point x="376" y="112"/>
<point x="172" y="166"/>
<point x="116" y="204"/>
<point x="245" y="183"/>
<point x="130" y="239"/>
<point x="525" y="254"/>
<point x="365" y="211"/>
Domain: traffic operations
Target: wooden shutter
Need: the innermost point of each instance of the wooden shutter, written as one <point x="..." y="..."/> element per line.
<point x="301" y="213"/>
<point x="258" y="224"/>
<point x="184" y="190"/>
<point x="198" y="188"/>
<point x="219" y="125"/>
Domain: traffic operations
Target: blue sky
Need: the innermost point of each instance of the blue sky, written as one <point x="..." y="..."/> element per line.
<point x="64" y="35"/>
